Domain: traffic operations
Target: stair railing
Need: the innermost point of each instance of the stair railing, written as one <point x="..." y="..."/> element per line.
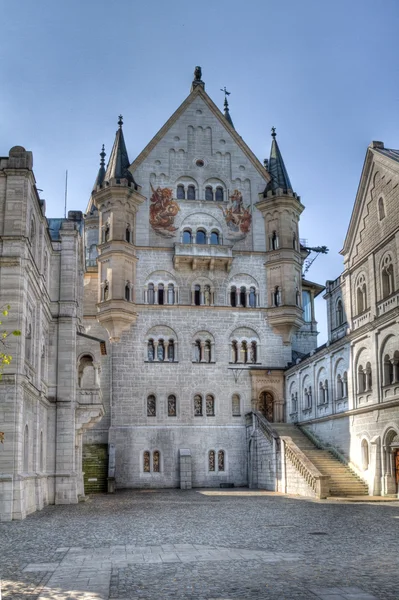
<point x="264" y="425"/>
<point x="318" y="482"/>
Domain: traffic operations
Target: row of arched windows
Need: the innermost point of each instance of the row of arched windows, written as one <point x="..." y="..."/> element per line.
<point x="160" y="294"/>
<point x="189" y="193"/>
<point x="152" y="461"/>
<point x="244" y="352"/>
<point x="201" y="236"/>
<point x="391" y="369"/>
<point x="364" y="378"/>
<point x="216" y="461"/>
<point x="202" y="405"/>
<point x="161" y="350"/>
<point x="106" y="233"/>
<point x="274" y="242"/>
<point x="341" y="391"/>
<point x="244" y="297"/>
<point x="387" y="284"/>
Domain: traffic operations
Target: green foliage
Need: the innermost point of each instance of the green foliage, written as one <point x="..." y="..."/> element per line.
<point x="5" y="357"/>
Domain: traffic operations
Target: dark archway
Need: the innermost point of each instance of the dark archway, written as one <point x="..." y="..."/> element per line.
<point x="266" y="405"/>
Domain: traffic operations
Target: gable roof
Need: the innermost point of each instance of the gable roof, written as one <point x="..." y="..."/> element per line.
<point x="375" y="151"/>
<point x="198" y="91"/>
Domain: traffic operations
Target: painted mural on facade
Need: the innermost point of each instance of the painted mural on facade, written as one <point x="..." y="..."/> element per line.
<point x="238" y="217"/>
<point x="163" y="210"/>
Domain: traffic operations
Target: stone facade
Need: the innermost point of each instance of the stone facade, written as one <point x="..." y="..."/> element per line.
<point x="347" y="391"/>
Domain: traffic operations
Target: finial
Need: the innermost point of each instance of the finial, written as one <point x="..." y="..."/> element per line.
<point x="274" y="132"/>
<point x="226" y="93"/>
<point x="103" y="155"/>
<point x="120" y="122"/>
<point x="197" y="73"/>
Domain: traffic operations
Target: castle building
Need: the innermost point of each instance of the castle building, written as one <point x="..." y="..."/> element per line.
<point x="168" y="332"/>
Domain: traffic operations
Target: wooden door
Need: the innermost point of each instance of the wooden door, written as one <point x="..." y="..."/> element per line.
<point x="267" y="406"/>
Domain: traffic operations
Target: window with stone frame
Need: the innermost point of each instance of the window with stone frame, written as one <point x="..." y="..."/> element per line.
<point x="219" y="195"/>
<point x="209" y="193"/>
<point x="187" y="237"/>
<point x="361" y="294"/>
<point x="235" y="405"/>
<point x="339" y="314"/>
<point x="387" y="276"/>
<point x="151" y="406"/>
<point x="146" y="462"/>
<point x="151" y="293"/>
<point x="211" y="461"/>
<point x="361" y="379"/>
<point x="381" y="208"/>
<point x="197" y="405"/>
<point x="156" y="461"/>
<point x="221" y="456"/>
<point x="215" y="238"/>
<point x="172" y="406"/>
<point x="210" y="405"/>
<point x="365" y="454"/>
<point x="180" y="192"/>
<point x="191" y="192"/>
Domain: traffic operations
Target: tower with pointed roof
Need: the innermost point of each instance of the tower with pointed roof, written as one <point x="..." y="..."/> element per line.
<point x="281" y="209"/>
<point x="116" y="197"/>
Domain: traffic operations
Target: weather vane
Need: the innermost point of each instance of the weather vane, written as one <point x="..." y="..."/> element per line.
<point x="225" y="92"/>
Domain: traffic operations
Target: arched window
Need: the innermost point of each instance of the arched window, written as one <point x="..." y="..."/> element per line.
<point x="146" y="462"/>
<point x="244" y="352"/>
<point x="388" y="370"/>
<point x="361" y="294"/>
<point x="214" y="237"/>
<point x="361" y="380"/>
<point x="187" y="237"/>
<point x="210" y="405"/>
<point x="197" y="351"/>
<point x="161" y="294"/>
<point x="365" y="455"/>
<point x="369" y="377"/>
<point x="207" y="351"/>
<point x="127" y="233"/>
<point x="345" y="385"/>
<point x="127" y="292"/>
<point x="221" y="460"/>
<point x="234" y="352"/>
<point x="233" y="296"/>
<point x="106" y="232"/>
<point x="197" y="405"/>
<point x="161" y="351"/>
<point x="340" y="388"/>
<point x="207" y="295"/>
<point x="396" y="366"/>
<point x="106" y="290"/>
<point x="252" y="297"/>
<point x="235" y="405"/>
<point x="151" y="406"/>
<point x="340" y="313"/>
<point x="274" y="244"/>
<point x="325" y="390"/>
<point x="180" y="193"/>
<point x="253" y="352"/>
<point x="172" y="406"/>
<point x="321" y="393"/>
<point x="171" y="351"/>
<point x="28" y="342"/>
<point x="191" y="192"/>
<point x="211" y="460"/>
<point x="276" y="296"/>
<point x="151" y="293"/>
<point x="197" y="295"/>
<point x="243" y="296"/>
<point x="171" y="293"/>
<point x="150" y="350"/>
<point x="294" y="242"/>
<point x="219" y="194"/>
<point x="381" y="209"/>
<point x="387" y="281"/>
<point x="200" y="238"/>
<point x="26" y="449"/>
<point x="208" y="193"/>
<point x="156" y="461"/>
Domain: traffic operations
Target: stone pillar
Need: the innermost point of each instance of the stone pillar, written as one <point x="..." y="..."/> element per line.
<point x="155" y="294"/>
<point x="257" y="304"/>
<point x="176" y="353"/>
<point x="212" y="351"/>
<point x="156" y="350"/>
<point x="202" y="359"/>
<point x="247" y="297"/>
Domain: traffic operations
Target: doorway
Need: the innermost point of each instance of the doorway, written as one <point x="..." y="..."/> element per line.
<point x="266" y="406"/>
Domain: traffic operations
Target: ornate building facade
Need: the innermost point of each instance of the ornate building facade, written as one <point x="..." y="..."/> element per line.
<point x="155" y="322"/>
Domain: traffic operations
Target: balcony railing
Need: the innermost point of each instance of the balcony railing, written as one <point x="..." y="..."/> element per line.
<point x="203" y="256"/>
<point x="387" y="304"/>
<point x="362" y="319"/>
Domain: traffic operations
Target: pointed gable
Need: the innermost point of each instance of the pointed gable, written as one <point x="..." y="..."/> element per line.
<point x="374" y="217"/>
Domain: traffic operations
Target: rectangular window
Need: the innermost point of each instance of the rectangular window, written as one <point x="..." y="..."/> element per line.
<point x="307" y="306"/>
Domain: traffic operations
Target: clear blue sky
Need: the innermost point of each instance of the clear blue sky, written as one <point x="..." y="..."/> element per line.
<point x="324" y="73"/>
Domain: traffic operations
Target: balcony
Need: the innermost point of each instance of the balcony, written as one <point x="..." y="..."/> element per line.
<point x="387" y="304"/>
<point x="362" y="319"/>
<point x="203" y="256"/>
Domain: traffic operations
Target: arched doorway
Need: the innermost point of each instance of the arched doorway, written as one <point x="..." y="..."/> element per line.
<point x="266" y="405"/>
<point x="391" y="459"/>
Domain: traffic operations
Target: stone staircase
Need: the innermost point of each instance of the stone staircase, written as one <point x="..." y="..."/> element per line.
<point x="343" y="482"/>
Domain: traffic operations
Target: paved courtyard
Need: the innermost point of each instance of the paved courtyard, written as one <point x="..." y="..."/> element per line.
<point x="206" y="546"/>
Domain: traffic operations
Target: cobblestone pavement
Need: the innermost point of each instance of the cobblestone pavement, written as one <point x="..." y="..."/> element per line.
<point x="176" y="545"/>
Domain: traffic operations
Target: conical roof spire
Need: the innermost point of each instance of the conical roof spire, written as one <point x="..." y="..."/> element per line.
<point x="118" y="164"/>
<point x="227" y="113"/>
<point x="277" y="170"/>
<point x="101" y="171"/>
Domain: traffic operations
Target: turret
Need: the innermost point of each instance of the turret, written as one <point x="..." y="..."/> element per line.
<point x="281" y="209"/>
<point x="117" y="198"/>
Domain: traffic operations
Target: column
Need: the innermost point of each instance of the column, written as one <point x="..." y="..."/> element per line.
<point x="166" y="348"/>
<point x="192" y="298"/>
<point x="202" y="358"/>
<point x="155" y="294"/>
<point x="202" y="302"/>
<point x="247" y="297"/>
<point x="237" y="297"/>
<point x="257" y="299"/>
<point x="176" y="353"/>
<point x="212" y="351"/>
<point x="156" y="350"/>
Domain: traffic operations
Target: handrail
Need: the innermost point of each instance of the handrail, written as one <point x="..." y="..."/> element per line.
<point x="332" y="450"/>
<point x="265" y="426"/>
<point x="319" y="483"/>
